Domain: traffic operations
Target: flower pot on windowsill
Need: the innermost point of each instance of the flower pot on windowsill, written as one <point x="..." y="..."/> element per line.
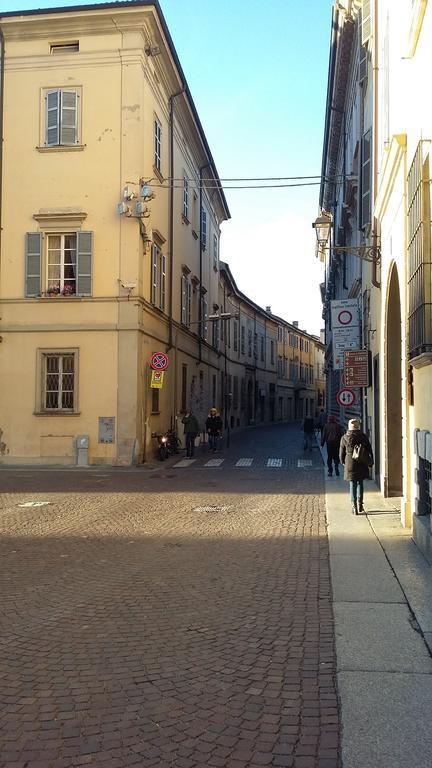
<point x="53" y="293"/>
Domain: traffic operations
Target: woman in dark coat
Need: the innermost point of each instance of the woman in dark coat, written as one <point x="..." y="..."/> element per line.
<point x="355" y="470"/>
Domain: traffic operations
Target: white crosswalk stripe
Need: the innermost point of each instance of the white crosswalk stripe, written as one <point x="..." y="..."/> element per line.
<point x="304" y="462"/>
<point x="214" y="463"/>
<point x="244" y="463"/>
<point x="183" y="463"/>
<point x="274" y="462"/>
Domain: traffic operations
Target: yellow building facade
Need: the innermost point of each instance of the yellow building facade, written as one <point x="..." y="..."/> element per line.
<point x="111" y="214"/>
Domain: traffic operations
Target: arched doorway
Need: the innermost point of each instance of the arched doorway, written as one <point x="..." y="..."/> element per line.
<point x="393" y="479"/>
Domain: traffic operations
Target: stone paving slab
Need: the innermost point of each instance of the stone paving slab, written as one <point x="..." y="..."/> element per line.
<point x="379" y="636"/>
<point x="384" y="719"/>
<point x="364" y="578"/>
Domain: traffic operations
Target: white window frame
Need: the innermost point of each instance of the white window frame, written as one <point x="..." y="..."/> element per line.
<point x="41" y="389"/>
<point x="59" y="123"/>
<point x="157" y="144"/>
<point x="62" y="280"/>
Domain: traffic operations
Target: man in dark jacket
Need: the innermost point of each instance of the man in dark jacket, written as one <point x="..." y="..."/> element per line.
<point x="331" y="435"/>
<point x="191" y="430"/>
<point x="356" y="469"/>
<point x="214" y="428"/>
<point x="308" y="430"/>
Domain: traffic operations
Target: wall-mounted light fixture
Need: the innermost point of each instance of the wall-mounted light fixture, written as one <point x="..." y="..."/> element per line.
<point x="322" y="226"/>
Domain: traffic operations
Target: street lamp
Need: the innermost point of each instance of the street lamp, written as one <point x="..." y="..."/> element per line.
<point x="322" y="226"/>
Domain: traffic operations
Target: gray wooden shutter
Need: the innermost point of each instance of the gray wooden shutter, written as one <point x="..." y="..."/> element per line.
<point x="366" y="178"/>
<point x="366" y="28"/>
<point x="68" y="122"/>
<point x="52" y="118"/>
<point x="33" y="264"/>
<point x="84" y="263"/>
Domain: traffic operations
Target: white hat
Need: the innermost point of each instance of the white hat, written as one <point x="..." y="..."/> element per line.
<point x="354" y="424"/>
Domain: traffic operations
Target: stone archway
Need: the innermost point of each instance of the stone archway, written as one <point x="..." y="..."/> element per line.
<point x="393" y="389"/>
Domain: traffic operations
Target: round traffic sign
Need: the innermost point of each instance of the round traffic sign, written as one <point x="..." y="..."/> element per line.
<point x="345" y="317"/>
<point x="159" y="361"/>
<point x="346" y="397"/>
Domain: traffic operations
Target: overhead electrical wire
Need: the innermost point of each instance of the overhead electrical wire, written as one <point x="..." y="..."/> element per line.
<point x="218" y="184"/>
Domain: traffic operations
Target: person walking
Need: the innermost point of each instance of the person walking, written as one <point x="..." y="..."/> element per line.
<point x="214" y="428"/>
<point x="308" y="430"/>
<point x="321" y="421"/>
<point x="191" y="430"/>
<point x="331" y="436"/>
<point x="355" y="453"/>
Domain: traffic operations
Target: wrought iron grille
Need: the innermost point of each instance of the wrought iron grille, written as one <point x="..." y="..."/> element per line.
<point x="419" y="255"/>
<point x="59" y="382"/>
<point x="425" y="475"/>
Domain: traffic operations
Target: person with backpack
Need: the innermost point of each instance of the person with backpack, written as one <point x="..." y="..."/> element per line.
<point x="355" y="453"/>
<point x="331" y="436"/>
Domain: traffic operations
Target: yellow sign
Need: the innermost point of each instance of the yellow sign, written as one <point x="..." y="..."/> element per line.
<point x="157" y="379"/>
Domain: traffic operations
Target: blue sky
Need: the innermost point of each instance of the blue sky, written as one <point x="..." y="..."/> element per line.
<point x="258" y="75"/>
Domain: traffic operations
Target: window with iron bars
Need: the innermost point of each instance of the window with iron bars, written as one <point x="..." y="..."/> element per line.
<point x="59" y="382"/>
<point x="424" y="476"/>
<point x="419" y="254"/>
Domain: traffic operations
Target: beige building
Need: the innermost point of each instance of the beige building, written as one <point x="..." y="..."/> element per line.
<point x="376" y="190"/>
<point x="111" y="214"/>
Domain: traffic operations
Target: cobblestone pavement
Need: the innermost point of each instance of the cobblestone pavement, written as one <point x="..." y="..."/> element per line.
<point x="168" y="618"/>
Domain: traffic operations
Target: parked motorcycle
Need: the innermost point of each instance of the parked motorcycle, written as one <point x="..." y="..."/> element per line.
<point x="166" y="444"/>
<point x="161" y="446"/>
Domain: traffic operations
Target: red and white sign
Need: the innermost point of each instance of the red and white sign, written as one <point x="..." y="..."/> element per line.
<point x="159" y="361"/>
<point x="345" y="317"/>
<point x="344" y="313"/>
<point x="346" y="397"/>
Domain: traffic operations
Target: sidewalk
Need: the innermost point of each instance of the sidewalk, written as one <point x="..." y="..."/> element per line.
<point x="382" y="601"/>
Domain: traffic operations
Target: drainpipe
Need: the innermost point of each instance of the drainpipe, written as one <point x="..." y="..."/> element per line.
<point x="375" y="282"/>
<point x="2" y="55"/>
<point x="171" y="214"/>
<point x="200" y="317"/>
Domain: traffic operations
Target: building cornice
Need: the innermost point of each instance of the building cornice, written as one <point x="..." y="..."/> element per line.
<point x="394" y="157"/>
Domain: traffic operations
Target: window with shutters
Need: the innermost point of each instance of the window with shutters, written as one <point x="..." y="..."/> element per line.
<point x="419" y="254"/>
<point x="158" y="277"/>
<point x="62" y="117"/>
<point x="203" y="228"/>
<point x="243" y="340"/>
<point x="186" y="199"/>
<point x="58" y="264"/>
<point x="272" y="352"/>
<point x="366" y="179"/>
<point x="235" y="335"/>
<point x="235" y="400"/>
<point x="204" y="316"/>
<point x="157" y="161"/>
<point x="215" y="334"/>
<point x="215" y="252"/>
<point x="58" y="374"/>
<point x="186" y="300"/>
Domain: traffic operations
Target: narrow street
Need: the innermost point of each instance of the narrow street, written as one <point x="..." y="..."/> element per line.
<point x="170" y="616"/>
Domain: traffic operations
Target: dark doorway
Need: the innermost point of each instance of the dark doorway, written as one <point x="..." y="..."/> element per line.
<point x="393" y="479"/>
<point x="376" y="421"/>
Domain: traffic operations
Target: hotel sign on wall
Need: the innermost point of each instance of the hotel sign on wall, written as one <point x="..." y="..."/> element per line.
<point x="356" y="368"/>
